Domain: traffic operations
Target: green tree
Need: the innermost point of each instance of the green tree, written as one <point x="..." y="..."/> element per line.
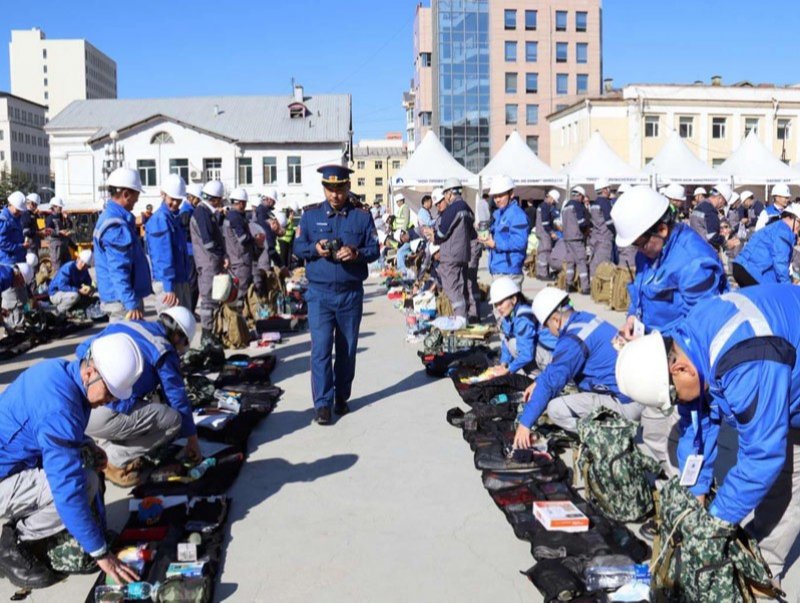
<point x="15" y="180"/>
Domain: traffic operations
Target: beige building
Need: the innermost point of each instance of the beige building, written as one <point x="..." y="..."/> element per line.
<point x="486" y="68"/>
<point x="374" y="164"/>
<point x="23" y="141"/>
<point x="56" y="72"/>
<point x="713" y="119"/>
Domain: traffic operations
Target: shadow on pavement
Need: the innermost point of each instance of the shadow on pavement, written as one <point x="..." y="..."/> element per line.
<point x="405" y="385"/>
<point x="281" y="423"/>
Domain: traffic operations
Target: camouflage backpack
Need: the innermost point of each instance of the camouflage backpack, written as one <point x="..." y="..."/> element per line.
<point x="614" y="470"/>
<point x="698" y="557"/>
<point x="231" y="328"/>
<point x="620" y="300"/>
<point x="602" y="282"/>
<point x="67" y="556"/>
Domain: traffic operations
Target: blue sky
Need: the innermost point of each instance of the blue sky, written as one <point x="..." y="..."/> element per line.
<point x="364" y="47"/>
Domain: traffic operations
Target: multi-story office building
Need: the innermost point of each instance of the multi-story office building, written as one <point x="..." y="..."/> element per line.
<point x="712" y="119"/>
<point x="374" y="164"/>
<point x="56" y="72"/>
<point x="23" y="142"/>
<point x="496" y="66"/>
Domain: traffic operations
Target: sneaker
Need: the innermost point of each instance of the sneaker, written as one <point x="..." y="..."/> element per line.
<point x="323" y="416"/>
<point x="21" y="568"/>
<point x="126" y="476"/>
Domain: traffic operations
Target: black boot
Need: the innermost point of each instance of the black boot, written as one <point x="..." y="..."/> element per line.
<point x="341" y="407"/>
<point x="20" y="566"/>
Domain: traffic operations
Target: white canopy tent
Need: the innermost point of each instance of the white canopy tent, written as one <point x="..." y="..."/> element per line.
<point x="427" y="168"/>
<point x="675" y="162"/>
<point x="597" y="160"/>
<point x="753" y="163"/>
<point x="518" y="161"/>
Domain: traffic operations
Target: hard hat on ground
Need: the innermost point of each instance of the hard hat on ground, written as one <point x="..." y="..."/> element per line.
<point x="501" y="185"/>
<point x="214" y="188"/>
<point x="119" y="362"/>
<point x="643" y="371"/>
<point x="183" y="319"/>
<point x="174" y="187"/>
<point x="501" y="289"/>
<point x="125" y="178"/>
<point x="635" y="212"/>
<point x="547" y="301"/>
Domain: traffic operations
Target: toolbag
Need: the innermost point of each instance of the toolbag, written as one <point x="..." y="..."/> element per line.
<point x="620" y="299"/>
<point x="482" y="392"/>
<point x="602" y="281"/>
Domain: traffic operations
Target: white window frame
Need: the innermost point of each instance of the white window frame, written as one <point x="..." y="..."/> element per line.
<point x="651" y="126"/>
<point x="244" y="170"/>
<point x="687" y="126"/>
<point x="719" y="130"/>
<point x="294" y="169"/>
<point x="269" y="169"/>
<point x="147" y="171"/>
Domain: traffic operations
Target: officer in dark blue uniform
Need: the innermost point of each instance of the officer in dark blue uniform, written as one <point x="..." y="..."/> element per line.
<point x="337" y="241"/>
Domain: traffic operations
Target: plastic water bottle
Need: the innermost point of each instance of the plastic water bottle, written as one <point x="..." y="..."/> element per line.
<point x="200" y="470"/>
<point x="135" y="591"/>
<point x="609" y="572"/>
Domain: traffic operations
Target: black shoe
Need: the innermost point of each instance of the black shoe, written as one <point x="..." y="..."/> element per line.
<point x="18" y="565"/>
<point x="323" y="416"/>
<point x="341" y="408"/>
<point x="586" y="291"/>
<point x="474" y="320"/>
<point x="648" y="530"/>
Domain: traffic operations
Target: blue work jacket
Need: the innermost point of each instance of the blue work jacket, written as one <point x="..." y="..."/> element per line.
<point x="166" y="244"/>
<point x="521" y="325"/>
<point x="69" y="278"/>
<point x="767" y="256"/>
<point x="510" y="230"/>
<point x="11" y="238"/>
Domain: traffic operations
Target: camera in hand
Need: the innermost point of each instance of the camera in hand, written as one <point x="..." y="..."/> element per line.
<point x="333" y="245"/>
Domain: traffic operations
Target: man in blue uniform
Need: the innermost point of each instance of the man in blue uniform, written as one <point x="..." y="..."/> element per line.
<point x="781" y="197"/>
<point x="15" y="275"/>
<point x="193" y="193"/>
<point x="546" y="214"/>
<point x="12" y="251"/>
<point x="138" y="423"/>
<point x="123" y="272"/>
<point x="601" y="237"/>
<point x="337" y="241"/>
<point x="767" y="256"/>
<point x="71" y="287"/>
<point x="44" y="487"/>
<point x="166" y="245"/>
<point x="574" y="225"/>
<point x="705" y="217"/>
<point x="58" y="234"/>
<point x="30" y="230"/>
<point x="583" y="353"/>
<point x="734" y="359"/>
<point x="508" y="238"/>
<point x="239" y="243"/>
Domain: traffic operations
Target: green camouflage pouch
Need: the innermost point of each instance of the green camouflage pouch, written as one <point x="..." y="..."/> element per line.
<point x="614" y="470"/>
<point x="200" y="390"/>
<point x="180" y="589"/>
<point x="67" y="556"/>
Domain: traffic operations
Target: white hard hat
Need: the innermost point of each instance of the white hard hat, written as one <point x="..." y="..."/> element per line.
<point x="56" y="202"/>
<point x="635" y="212"/>
<point x="174" y="187"/>
<point x="725" y="190"/>
<point x="600" y="184"/>
<point x="734" y="199"/>
<point x="746" y="195"/>
<point x="26" y="270"/>
<point x="125" y="178"/>
<point x="256" y="230"/>
<point x="238" y="194"/>
<point x="281" y="218"/>
<point x="85" y="256"/>
<point x="623" y="188"/>
<point x="33" y="198"/>
<point x="214" y="188"/>
<point x="675" y="191"/>
<point x="184" y="319"/>
<point x="44" y="208"/>
<point x="554" y="195"/>
<point x="17" y="200"/>
<point x="642" y="371"/>
<point x="416" y="244"/>
<point x="397" y="234"/>
<point x="546" y="302"/>
<point x="700" y="191"/>
<point x="437" y="194"/>
<point x="31" y="259"/>
<point x="578" y="189"/>
<point x="501" y="289"/>
<point x="500" y="185"/>
<point x="195" y="189"/>
<point x="119" y="362"/>
<point x="793" y="209"/>
<point x="382" y="236"/>
<point x="271" y="193"/>
<point x="780" y="190"/>
<point x="434" y="248"/>
<point x="398" y="197"/>
<point x="451" y="183"/>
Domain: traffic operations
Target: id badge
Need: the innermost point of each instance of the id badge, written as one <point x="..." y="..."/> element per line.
<point x="638" y="328"/>
<point x="692" y="470"/>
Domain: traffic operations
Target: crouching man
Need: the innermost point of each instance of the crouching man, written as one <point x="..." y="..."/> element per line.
<point x="71" y="288"/>
<point x="138" y="423"/>
<point x="43" y="485"/>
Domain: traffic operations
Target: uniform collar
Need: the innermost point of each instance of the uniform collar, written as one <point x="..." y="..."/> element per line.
<point x="74" y="372"/>
<point x="332" y="212"/>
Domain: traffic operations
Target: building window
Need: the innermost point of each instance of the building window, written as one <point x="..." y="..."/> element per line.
<point x="582" y="83"/>
<point x="45" y="68"/>
<point x="531" y="114"/>
<point x="212" y="169"/>
<point x="651" y="126"/>
<point x="750" y="125"/>
<point x="511" y="52"/>
<point x="717" y="161"/>
<point x="46" y="95"/>
<point x="561" y="52"/>
<point x="718" y="127"/>
<point x="162" y="138"/>
<point x="425" y="59"/>
<point x="582" y="52"/>
<point x="294" y="169"/>
<point x="686" y="126"/>
<point x="561" y="20"/>
<point x="580" y="20"/>
<point x="533" y="143"/>
<point x="360" y="165"/>
<point x="530" y="20"/>
<point x="45" y="81"/>
<point x="361" y="181"/>
<point x="379" y="197"/>
<point x="44" y="53"/>
<point x="379" y="164"/>
<point x="147" y="171"/>
<point x="2" y="155"/>
<point x="531" y="52"/>
<point x="511" y="115"/>
<point x="511" y="83"/>
<point x="425" y="118"/>
<point x="180" y="167"/>
<point x="245" y="170"/>
<point x="395" y="164"/>
<point x="2" y="134"/>
<point x="531" y="83"/>
<point x="510" y="18"/>
<point x="784" y="129"/>
<point x="562" y="83"/>
<point x="270" y="170"/>
<point x="378" y="181"/>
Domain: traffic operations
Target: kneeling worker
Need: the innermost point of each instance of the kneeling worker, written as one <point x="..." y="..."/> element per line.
<point x="43" y="485"/>
<point x="734" y="359"/>
<point x="135" y="425"/>
<point x="767" y="256"/>
<point x="71" y="287"/>
<point x="15" y="275"/>
<point x="583" y="353"/>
